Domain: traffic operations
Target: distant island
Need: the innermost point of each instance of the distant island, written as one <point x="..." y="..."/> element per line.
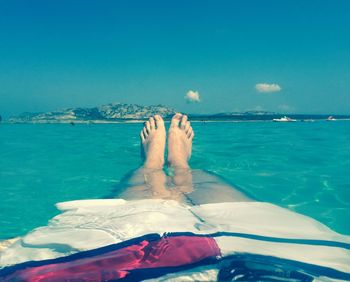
<point x="113" y="112"/>
<point x="122" y="113"/>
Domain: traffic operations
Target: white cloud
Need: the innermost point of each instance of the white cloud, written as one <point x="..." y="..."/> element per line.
<point x="192" y="97"/>
<point x="267" y="88"/>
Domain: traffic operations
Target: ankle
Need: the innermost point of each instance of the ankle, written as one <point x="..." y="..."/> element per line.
<point x="154" y="163"/>
<point x="178" y="164"/>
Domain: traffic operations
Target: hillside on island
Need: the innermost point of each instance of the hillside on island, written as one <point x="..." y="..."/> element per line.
<point x="105" y="113"/>
<point x="119" y="112"/>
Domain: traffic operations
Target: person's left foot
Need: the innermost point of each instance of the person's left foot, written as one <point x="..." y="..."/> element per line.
<point x="179" y="141"/>
<point x="153" y="142"/>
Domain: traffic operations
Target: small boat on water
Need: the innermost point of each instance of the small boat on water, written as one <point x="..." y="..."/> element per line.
<point x="284" y="119"/>
<point x="331" y="118"/>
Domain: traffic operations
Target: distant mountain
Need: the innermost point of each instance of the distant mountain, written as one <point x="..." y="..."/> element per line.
<point x="105" y="113"/>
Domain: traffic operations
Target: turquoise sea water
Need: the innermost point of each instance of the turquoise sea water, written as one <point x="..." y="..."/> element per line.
<point x="301" y="166"/>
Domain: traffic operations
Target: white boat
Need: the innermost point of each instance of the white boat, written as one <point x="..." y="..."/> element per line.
<point x="331" y="118"/>
<point x="284" y="119"/>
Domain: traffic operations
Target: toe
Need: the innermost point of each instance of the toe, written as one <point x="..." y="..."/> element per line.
<point x="189" y="132"/>
<point x="145" y="133"/>
<point x="191" y="136"/>
<point x="152" y="123"/>
<point x="176" y="120"/>
<point x="159" y="121"/>
<point x="142" y="136"/>
<point x="148" y="126"/>
<point x="183" y="121"/>
<point x="187" y="127"/>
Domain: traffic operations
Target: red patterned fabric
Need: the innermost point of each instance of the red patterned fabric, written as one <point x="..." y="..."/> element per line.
<point x="116" y="264"/>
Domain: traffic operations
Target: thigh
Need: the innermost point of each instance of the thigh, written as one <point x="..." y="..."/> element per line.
<point x="210" y="188"/>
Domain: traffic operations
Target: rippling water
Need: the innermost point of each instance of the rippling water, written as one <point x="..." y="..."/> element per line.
<point x="302" y="166"/>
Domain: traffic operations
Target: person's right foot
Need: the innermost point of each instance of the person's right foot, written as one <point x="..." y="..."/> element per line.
<point x="180" y="138"/>
<point x="153" y="142"/>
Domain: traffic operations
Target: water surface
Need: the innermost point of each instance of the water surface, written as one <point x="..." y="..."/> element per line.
<point x="301" y="166"/>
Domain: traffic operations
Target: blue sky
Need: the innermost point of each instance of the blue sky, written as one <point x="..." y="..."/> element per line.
<point x="57" y="54"/>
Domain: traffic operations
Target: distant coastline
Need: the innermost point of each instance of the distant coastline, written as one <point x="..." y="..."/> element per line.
<point x="132" y="113"/>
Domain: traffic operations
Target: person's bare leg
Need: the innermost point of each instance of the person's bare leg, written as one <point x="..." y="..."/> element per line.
<point x="198" y="187"/>
<point x="180" y="138"/>
<point x="146" y="184"/>
<point x="210" y="188"/>
<point x="153" y="143"/>
<point x="193" y="187"/>
<point x="149" y="181"/>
